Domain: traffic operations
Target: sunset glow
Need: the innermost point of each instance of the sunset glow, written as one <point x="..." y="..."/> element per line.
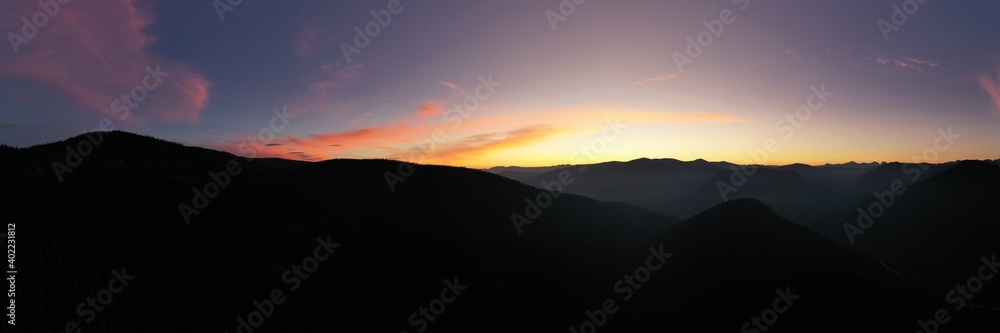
<point x="507" y="90"/>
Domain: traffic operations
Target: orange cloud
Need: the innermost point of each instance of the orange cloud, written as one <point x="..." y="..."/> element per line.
<point x="430" y="108"/>
<point x="470" y="148"/>
<point x="325" y="90"/>
<point x="330" y="145"/>
<point x="488" y="132"/>
<point x="95" y="53"/>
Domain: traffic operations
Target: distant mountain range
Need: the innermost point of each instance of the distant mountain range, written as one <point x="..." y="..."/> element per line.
<point x="810" y="195"/>
<point x="607" y="252"/>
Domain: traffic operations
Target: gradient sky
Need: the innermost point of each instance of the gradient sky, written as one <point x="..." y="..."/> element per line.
<point x="608" y="60"/>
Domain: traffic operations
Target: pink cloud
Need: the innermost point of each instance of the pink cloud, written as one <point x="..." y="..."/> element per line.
<point x="323" y="146"/>
<point x="458" y="90"/>
<point x="656" y="79"/>
<point x="430" y="108"/>
<point x="922" y="62"/>
<point x="406" y="137"/>
<point x="324" y="93"/>
<point x="95" y="52"/>
<point x="991" y="86"/>
<point x="908" y="63"/>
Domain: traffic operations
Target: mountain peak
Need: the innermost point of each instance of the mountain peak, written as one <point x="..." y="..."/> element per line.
<point x="742" y="214"/>
<point x="970" y="171"/>
<point x="745" y="207"/>
<point x="115" y="135"/>
<point x="970" y="165"/>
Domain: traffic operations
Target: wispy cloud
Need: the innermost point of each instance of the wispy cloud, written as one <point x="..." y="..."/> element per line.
<point x="324" y="95"/>
<point x="472" y="147"/>
<point x="92" y="54"/>
<point x="492" y="131"/>
<point x="656" y="79"/>
<point x="922" y="62"/>
<point x="991" y="85"/>
<point x="458" y="90"/>
<point x="906" y="63"/>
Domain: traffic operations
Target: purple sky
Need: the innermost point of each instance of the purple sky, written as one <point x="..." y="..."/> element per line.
<point x="483" y="83"/>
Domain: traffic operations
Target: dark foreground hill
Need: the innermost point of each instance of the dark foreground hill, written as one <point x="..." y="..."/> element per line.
<point x="739" y="263"/>
<point x="120" y="208"/>
<point x="940" y="230"/>
<point x="284" y="246"/>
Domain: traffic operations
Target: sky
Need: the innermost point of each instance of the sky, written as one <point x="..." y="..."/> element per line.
<point x="479" y="83"/>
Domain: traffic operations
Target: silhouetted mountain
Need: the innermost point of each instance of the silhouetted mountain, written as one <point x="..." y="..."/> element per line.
<point x="787" y="191"/>
<point x="937" y="231"/>
<point x="812" y="196"/>
<point x="119" y="208"/>
<point x="729" y="261"/>
<point x="522" y="173"/>
<point x="399" y="236"/>
<point x="686" y="188"/>
<point x="879" y="177"/>
<point x="660" y="185"/>
<point x="831" y="175"/>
